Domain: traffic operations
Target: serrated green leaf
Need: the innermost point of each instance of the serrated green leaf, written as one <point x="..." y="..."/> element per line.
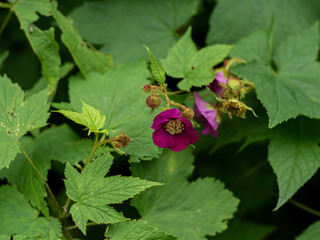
<point x="133" y="230"/>
<point x="42" y="42"/>
<point x="18" y="117"/>
<point x="87" y="59"/>
<point x="157" y="70"/>
<point x="153" y="23"/>
<point x="92" y="192"/>
<point x="89" y="117"/>
<point x="311" y="233"/>
<point x="294" y="155"/>
<point x="298" y="15"/>
<point x="183" y="61"/>
<point x="117" y="94"/>
<point x="185" y="210"/>
<point x="294" y="89"/>
<point x="16" y="213"/>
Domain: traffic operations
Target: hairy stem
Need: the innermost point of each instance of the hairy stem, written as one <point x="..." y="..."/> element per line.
<point x="5" y="21"/>
<point x="42" y="179"/>
<point x="75" y="227"/>
<point x="94" y="148"/>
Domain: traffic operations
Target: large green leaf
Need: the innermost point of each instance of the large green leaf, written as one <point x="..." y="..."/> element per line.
<point x="123" y="26"/>
<point x="86" y="58"/>
<point x="92" y="192"/>
<point x="183" y="61"/>
<point x="311" y="233"/>
<point x="19" y="218"/>
<point x="117" y="94"/>
<point x="18" y="117"/>
<point x="231" y="20"/>
<point x="294" y="89"/>
<point x="41" y="41"/>
<point x="134" y="230"/>
<point x="185" y="210"/>
<point x="294" y="155"/>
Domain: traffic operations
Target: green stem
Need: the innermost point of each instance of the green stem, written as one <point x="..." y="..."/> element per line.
<point x="5" y="5"/>
<point x="75" y="227"/>
<point x="176" y="92"/>
<point x="5" y="21"/>
<point x="95" y="146"/>
<point x="42" y="179"/>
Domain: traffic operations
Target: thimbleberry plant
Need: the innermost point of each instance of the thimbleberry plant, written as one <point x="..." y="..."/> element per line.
<point x="159" y="120"/>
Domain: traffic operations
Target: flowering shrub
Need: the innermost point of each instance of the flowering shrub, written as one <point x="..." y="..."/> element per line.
<point x="172" y="119"/>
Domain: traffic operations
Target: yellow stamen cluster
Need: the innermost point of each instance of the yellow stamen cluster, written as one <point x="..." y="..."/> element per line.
<point x="174" y="126"/>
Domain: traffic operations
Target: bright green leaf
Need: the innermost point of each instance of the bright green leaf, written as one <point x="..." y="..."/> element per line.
<point x="232" y="20"/>
<point x="117" y="94"/>
<point x="183" y="61"/>
<point x="92" y="192"/>
<point x="185" y="210"/>
<point x="89" y="117"/>
<point x="157" y="70"/>
<point x="133" y="230"/>
<point x="19" y="218"/>
<point x="294" y="90"/>
<point x="311" y="233"/>
<point x="18" y="117"/>
<point x="86" y="58"/>
<point x="122" y="26"/>
<point x="294" y="155"/>
<point x="42" y="42"/>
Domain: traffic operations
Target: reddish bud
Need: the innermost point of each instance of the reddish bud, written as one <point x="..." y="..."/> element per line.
<point x="121" y="140"/>
<point x="147" y="88"/>
<point x="234" y="84"/>
<point x="187" y="113"/>
<point x="153" y="101"/>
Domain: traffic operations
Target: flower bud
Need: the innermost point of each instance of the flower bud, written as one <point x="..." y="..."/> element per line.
<point x="153" y="101"/>
<point x="234" y="84"/>
<point x="235" y="107"/>
<point x="147" y="88"/>
<point x="121" y="140"/>
<point x="187" y="113"/>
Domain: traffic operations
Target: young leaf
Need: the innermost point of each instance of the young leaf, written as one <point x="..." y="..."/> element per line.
<point x="18" y="117"/>
<point x="294" y="155"/>
<point x="311" y="233"/>
<point x="133" y="230"/>
<point x="153" y="23"/>
<point x="157" y="70"/>
<point x="183" y="61"/>
<point x="92" y="192"/>
<point x="19" y="218"/>
<point x="294" y="90"/>
<point x="86" y="59"/>
<point x="89" y="117"/>
<point x="185" y="210"/>
<point x="117" y="94"/>
<point x="42" y="42"/>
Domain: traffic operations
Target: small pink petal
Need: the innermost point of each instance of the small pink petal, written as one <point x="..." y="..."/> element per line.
<point x="162" y="139"/>
<point x="181" y="141"/>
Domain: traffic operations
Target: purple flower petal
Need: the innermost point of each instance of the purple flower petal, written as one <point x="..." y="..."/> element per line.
<point x="162" y="139"/>
<point x="181" y="141"/>
<point x="188" y="127"/>
<point x="160" y="120"/>
<point x="214" y="86"/>
<point x="206" y="116"/>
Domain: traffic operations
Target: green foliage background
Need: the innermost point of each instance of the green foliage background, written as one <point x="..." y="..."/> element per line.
<point x="66" y="52"/>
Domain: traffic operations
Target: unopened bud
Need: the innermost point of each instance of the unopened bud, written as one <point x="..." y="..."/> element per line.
<point x="187" y="113"/>
<point x="147" y="88"/>
<point x="121" y="140"/>
<point x="153" y="101"/>
<point x="234" y="84"/>
<point x="235" y="107"/>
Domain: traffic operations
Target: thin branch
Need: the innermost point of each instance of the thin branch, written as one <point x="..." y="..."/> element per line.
<point x="42" y="179"/>
<point x="95" y="146"/>
<point x="75" y="227"/>
<point x="5" y="21"/>
<point x="5" y="5"/>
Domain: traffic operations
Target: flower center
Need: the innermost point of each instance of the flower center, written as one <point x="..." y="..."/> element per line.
<point x="174" y="126"/>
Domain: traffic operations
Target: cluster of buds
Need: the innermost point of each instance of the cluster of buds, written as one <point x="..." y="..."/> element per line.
<point x="230" y="90"/>
<point x="154" y="101"/>
<point x="121" y="140"/>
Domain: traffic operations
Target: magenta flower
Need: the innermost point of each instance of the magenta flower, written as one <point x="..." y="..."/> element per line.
<point x="206" y="116"/>
<point x="215" y="85"/>
<point x="172" y="131"/>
